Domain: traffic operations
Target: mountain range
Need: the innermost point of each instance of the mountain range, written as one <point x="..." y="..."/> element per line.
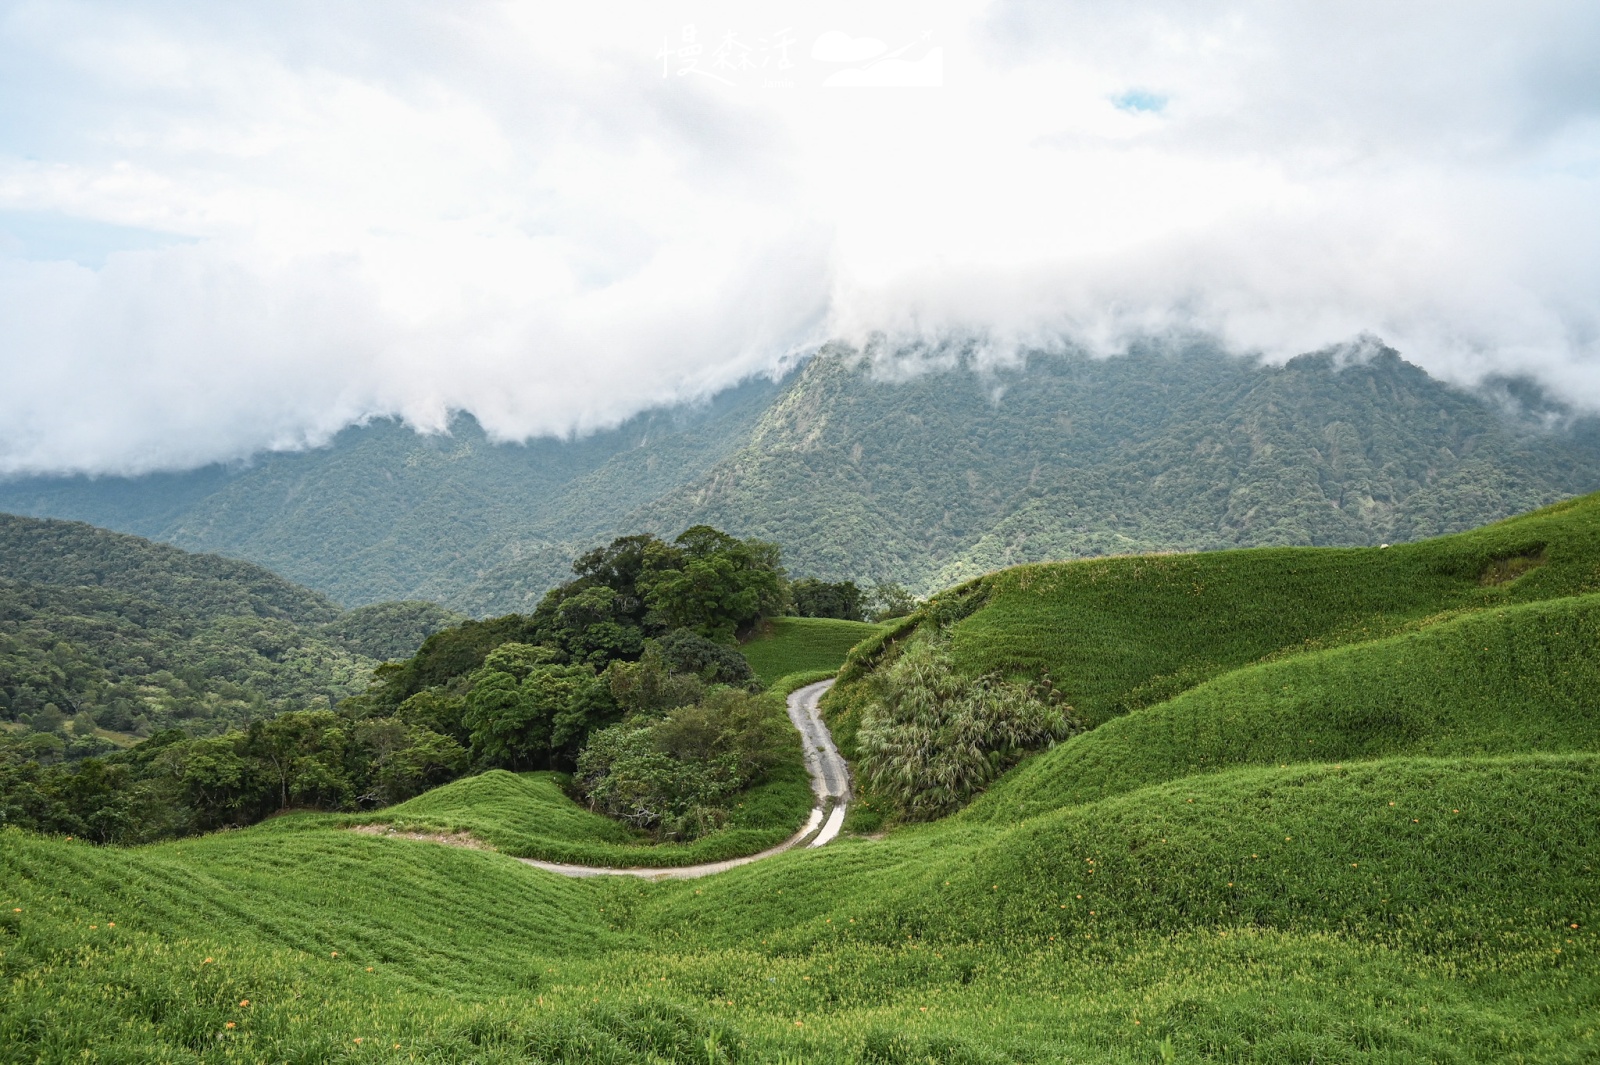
<point x="922" y="468"/>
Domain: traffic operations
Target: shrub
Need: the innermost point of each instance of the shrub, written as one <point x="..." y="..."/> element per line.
<point x="932" y="738"/>
<point x="686" y="651"/>
<point x="673" y="774"/>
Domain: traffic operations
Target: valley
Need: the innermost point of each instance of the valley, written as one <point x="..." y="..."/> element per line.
<point x="1320" y="802"/>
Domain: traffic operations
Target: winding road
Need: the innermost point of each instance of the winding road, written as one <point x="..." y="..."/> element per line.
<point x="830" y="783"/>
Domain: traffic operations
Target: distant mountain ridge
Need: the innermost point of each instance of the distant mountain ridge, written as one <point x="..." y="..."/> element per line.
<point x="924" y="478"/>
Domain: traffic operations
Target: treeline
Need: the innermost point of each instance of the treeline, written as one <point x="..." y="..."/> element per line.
<point x="810" y="597"/>
<point x="626" y="674"/>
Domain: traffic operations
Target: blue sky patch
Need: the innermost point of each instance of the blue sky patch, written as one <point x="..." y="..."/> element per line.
<point x="1140" y="100"/>
<point x="53" y="237"/>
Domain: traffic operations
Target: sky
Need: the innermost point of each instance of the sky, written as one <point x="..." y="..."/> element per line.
<point x="229" y="228"/>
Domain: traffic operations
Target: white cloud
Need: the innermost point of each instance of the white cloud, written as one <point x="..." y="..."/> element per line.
<point x="289" y="216"/>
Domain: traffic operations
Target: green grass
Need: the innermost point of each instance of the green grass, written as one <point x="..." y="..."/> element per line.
<point x="528" y="815"/>
<point x="1365" y="935"/>
<point x="1502" y="681"/>
<point x="803" y="645"/>
<point x="1357" y="826"/>
<point x="1117" y="634"/>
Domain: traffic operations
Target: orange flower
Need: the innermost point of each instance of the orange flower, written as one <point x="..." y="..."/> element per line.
<point x="111" y="924"/>
<point x="228" y="1025"/>
<point x="244" y="1002"/>
<point x="206" y="962"/>
<point x="358" y="1039"/>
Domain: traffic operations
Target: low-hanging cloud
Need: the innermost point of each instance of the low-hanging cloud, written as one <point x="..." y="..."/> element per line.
<point x="313" y="215"/>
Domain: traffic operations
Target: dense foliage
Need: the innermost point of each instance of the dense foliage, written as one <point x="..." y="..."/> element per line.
<point x="513" y="693"/>
<point x="932" y="738"/>
<point x="106" y="638"/>
<point x="922" y="467"/>
<point x="676" y="773"/>
<point x="813" y="598"/>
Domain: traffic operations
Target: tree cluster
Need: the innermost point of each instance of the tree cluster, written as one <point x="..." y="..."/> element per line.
<point x="638" y="639"/>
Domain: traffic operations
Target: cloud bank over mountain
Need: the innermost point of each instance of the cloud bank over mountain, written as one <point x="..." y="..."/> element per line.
<point x="229" y="230"/>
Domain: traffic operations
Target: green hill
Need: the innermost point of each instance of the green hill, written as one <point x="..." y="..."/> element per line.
<point x="1279" y="915"/>
<point x="1121" y="633"/>
<point x="1520" y="678"/>
<point x="926" y="472"/>
<point x="1188" y="880"/>
<point x="787" y="646"/>
<point x="128" y="636"/>
<point x="528" y="815"/>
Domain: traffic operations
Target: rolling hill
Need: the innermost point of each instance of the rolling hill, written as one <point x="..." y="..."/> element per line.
<point x="1188" y="880"/>
<point x="923" y="470"/>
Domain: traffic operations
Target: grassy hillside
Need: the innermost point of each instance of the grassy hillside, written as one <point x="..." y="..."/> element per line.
<point x="1191" y="880"/>
<point x="1121" y="633"/>
<point x="528" y="815"/>
<point x="1521" y="678"/>
<point x="918" y="467"/>
<point x="802" y="645"/>
<point x="1363" y="935"/>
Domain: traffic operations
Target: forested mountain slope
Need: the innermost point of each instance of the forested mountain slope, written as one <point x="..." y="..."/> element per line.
<point x="384" y="513"/>
<point x="116" y="633"/>
<point x="948" y="475"/>
<point x="863" y="469"/>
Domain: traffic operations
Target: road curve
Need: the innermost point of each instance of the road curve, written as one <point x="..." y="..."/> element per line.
<point x="830" y="783"/>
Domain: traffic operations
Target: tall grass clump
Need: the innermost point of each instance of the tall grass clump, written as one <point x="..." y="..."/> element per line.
<point x="932" y="738"/>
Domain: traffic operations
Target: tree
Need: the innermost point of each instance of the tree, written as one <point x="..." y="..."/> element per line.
<point x="813" y="598"/>
<point x="542" y="718"/>
<point x="711" y="582"/>
<point x="889" y="600"/>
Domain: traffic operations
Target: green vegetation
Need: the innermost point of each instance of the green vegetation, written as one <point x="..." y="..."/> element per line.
<point x="676" y="748"/>
<point x="922" y="468"/>
<point x="932" y="738"/>
<point x="531" y="815"/>
<point x="1190" y="880"/>
<point x="104" y="633"/>
<point x="813" y="598"/>
<point x="1114" y="635"/>
<point x="781" y="646"/>
<point x="1521" y="678"/>
<point x="1199" y="921"/>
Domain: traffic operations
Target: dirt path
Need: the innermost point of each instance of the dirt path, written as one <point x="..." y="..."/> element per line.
<point x="830" y="782"/>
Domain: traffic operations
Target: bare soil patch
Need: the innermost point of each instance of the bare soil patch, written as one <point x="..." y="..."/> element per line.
<point x="449" y="839"/>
